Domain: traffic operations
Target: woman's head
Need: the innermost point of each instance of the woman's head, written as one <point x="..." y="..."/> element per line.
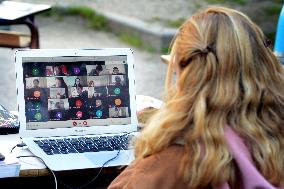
<point x="224" y="47"/>
<point x="226" y="75"/>
<point x="60" y="82"/>
<point x="36" y="83"/>
<point x="77" y="81"/>
<point x="56" y="70"/>
<point x="91" y="84"/>
<point x="99" y="68"/>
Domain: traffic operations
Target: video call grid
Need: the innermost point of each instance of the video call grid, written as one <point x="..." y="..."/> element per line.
<point x="75" y="91"/>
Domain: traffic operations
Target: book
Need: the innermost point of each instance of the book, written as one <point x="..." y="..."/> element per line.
<point x="10" y="167"/>
<point x="146" y="107"/>
<point x="11" y="10"/>
<point x="14" y="39"/>
<point x="9" y="123"/>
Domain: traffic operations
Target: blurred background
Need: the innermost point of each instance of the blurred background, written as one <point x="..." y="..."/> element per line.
<point x="146" y="26"/>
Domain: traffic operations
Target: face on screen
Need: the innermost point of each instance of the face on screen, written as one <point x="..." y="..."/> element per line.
<point x="76" y="93"/>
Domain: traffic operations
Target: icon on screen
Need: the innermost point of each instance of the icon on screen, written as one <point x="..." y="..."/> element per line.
<point x="76" y="70"/>
<point x="99" y="113"/>
<point x="78" y="103"/>
<point x="35" y="71"/>
<point x="117" y="102"/>
<point x="36" y="94"/>
<point x="38" y="116"/>
<point x="64" y="69"/>
<point x="79" y="114"/>
<point x="58" y="115"/>
<point x="117" y="91"/>
<point x="37" y="105"/>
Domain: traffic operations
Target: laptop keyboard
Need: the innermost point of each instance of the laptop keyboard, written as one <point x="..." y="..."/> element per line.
<point x="84" y="144"/>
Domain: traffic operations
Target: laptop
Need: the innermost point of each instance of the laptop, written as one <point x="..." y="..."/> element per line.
<point x="77" y="107"/>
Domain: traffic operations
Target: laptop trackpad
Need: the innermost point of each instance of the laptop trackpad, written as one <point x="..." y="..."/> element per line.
<point x="124" y="157"/>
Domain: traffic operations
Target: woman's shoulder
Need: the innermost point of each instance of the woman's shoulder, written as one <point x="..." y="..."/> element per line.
<point x="160" y="170"/>
<point x="172" y="154"/>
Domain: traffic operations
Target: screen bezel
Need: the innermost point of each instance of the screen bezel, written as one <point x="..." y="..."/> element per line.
<point x="79" y="130"/>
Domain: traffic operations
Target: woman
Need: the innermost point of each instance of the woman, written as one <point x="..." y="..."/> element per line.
<point x="222" y="122"/>
<point x="77" y="82"/>
<point x="91" y="84"/>
<point x="60" y="83"/>
<point x="57" y="70"/>
<point x="97" y="71"/>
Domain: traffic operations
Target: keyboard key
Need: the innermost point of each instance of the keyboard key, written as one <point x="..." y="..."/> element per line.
<point x="71" y="150"/>
<point x="49" y="153"/>
<point x="55" y="151"/>
<point x="84" y="144"/>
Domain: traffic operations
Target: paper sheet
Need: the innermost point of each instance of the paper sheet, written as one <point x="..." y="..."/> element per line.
<point x="10" y="10"/>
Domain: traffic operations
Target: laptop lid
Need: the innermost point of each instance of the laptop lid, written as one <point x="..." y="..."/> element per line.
<point x="75" y="91"/>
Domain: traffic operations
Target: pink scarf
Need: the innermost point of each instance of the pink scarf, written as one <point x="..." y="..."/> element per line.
<point x="251" y="178"/>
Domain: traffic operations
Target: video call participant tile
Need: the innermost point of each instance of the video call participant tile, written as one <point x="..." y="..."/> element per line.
<point x="58" y="104"/>
<point x="118" y="112"/>
<point x="59" y="115"/>
<point x="60" y="70"/>
<point x="78" y="114"/>
<point x="37" y="115"/>
<point x="77" y="69"/>
<point x="118" y="101"/>
<point x="33" y="70"/>
<point x="97" y="92"/>
<point x="98" y="109"/>
<point x="58" y="93"/>
<point x="96" y="70"/>
<point x="98" y="81"/>
<point x="116" y="69"/>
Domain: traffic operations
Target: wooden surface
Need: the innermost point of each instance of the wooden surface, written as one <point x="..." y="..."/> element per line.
<point x="33" y="167"/>
<point x="18" y="13"/>
<point x="29" y="166"/>
<point x="34" y="174"/>
<point x="13" y="10"/>
<point x="12" y="38"/>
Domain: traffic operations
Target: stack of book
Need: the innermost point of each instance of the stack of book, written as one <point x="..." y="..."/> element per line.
<point x="10" y="167"/>
<point x="13" y="38"/>
<point x="146" y="107"/>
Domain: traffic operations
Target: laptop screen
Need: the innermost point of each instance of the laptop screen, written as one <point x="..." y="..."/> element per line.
<point x="63" y="92"/>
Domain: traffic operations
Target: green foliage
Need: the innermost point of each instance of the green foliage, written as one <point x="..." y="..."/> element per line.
<point x="56" y="12"/>
<point x="136" y="41"/>
<point x="175" y="23"/>
<point x="82" y="11"/>
<point x="271" y="36"/>
<point x="150" y="49"/>
<point x="94" y="20"/>
<point x="131" y="40"/>
<point x="51" y="12"/>
<point x="155" y="19"/>
<point x="240" y="2"/>
<point x="165" y="50"/>
<point x="273" y="9"/>
<point x="278" y="1"/>
<point x="167" y="22"/>
<point x="98" y="22"/>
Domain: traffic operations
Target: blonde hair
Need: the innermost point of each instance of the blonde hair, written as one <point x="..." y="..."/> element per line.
<point x="228" y="76"/>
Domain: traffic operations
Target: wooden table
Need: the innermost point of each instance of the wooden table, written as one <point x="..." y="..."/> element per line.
<point x="34" y="173"/>
<point x="17" y="13"/>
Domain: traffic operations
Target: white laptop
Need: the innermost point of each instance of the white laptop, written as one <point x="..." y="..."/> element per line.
<point x="77" y="107"/>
